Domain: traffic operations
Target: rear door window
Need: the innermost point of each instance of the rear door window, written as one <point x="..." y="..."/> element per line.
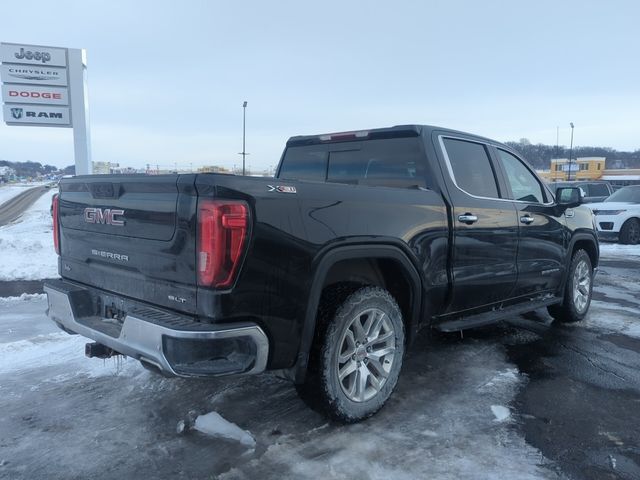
<point x="471" y="168"/>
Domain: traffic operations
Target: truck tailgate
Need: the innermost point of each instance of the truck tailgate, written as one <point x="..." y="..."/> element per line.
<point x="132" y="235"/>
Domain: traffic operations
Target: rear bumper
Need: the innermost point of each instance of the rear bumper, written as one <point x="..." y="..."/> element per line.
<point x="174" y="344"/>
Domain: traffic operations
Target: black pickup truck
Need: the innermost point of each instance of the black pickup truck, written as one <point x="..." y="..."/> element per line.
<point x="325" y="273"/>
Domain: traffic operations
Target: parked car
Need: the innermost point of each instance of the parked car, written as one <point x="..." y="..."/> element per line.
<point x="618" y="217"/>
<point x="325" y="273"/>
<point x="595" y="191"/>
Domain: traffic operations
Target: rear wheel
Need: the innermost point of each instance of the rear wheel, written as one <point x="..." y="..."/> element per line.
<point x="577" y="291"/>
<point x="357" y="355"/>
<point x="630" y="232"/>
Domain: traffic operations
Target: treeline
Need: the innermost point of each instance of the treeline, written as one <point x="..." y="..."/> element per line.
<point x="35" y="169"/>
<point x="540" y="155"/>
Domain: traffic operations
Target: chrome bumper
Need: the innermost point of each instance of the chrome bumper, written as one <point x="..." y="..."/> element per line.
<point x="174" y="344"/>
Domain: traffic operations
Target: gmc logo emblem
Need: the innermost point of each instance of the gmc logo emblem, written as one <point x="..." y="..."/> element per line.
<point x="106" y="216"/>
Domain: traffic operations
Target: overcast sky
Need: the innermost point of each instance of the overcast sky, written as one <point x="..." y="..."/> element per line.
<point x="167" y="78"/>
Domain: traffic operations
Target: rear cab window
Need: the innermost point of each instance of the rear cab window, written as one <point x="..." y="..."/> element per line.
<point x="389" y="162"/>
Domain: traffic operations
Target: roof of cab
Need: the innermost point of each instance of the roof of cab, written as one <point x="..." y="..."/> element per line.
<point x="396" y="131"/>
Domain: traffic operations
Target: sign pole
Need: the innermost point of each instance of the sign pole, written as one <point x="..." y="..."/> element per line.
<point x="78" y="96"/>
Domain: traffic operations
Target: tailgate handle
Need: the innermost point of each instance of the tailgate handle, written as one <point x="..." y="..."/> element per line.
<point x="104" y="190"/>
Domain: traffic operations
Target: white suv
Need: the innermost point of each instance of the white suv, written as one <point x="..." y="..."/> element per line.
<point x="618" y="217"/>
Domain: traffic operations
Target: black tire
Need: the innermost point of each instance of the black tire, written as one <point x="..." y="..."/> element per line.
<point x="630" y="232"/>
<point x="341" y="307"/>
<point x="572" y="309"/>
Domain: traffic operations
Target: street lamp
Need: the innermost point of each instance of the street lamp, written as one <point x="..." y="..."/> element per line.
<point x="244" y="124"/>
<point x="570" y="151"/>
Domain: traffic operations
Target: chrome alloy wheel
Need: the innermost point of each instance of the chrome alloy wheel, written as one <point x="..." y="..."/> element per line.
<point x="366" y="354"/>
<point x="581" y="286"/>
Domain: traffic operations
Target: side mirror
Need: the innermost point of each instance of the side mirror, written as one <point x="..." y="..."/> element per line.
<point x="569" y="197"/>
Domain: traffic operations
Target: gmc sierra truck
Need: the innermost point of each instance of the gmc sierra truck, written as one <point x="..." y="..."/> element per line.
<point x="325" y="273"/>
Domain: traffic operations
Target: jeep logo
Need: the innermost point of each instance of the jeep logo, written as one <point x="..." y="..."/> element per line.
<point x="106" y="216"/>
<point x="44" y="57"/>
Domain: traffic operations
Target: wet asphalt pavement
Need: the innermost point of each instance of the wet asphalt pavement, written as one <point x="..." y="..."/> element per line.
<point x="581" y="406"/>
<point x="571" y="394"/>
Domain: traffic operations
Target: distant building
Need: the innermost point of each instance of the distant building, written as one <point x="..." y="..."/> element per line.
<point x="590" y="168"/>
<point x="124" y="170"/>
<point x="212" y="169"/>
<point x="582" y="168"/>
<point x="101" y="168"/>
<point x="622" y="177"/>
<point x="7" y="174"/>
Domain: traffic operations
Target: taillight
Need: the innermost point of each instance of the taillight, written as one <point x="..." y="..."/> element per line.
<point x="222" y="235"/>
<point x="56" y="223"/>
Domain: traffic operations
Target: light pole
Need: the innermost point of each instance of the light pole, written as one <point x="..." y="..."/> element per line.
<point x="570" y="151"/>
<point x="244" y="125"/>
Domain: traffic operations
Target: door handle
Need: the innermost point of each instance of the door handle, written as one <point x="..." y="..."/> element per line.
<point x="526" y="219"/>
<point x="467" y="218"/>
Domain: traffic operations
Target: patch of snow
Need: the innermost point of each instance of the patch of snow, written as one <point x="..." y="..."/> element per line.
<point x="55" y="350"/>
<point x="617" y="250"/>
<point x="617" y="293"/>
<point x="435" y="426"/>
<point x="7" y="192"/>
<point x="213" y="424"/>
<point x="501" y="413"/>
<point x="10" y="191"/>
<point x="607" y="316"/>
<point x="27" y="245"/>
<point x="25" y="297"/>
<point x="501" y="379"/>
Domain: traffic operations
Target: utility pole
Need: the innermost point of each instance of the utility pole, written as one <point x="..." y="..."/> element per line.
<point x="570" y="152"/>
<point x="244" y="130"/>
<point x="555" y="173"/>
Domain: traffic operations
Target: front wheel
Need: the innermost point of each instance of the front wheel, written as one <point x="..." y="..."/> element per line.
<point x="356" y="360"/>
<point x="630" y="232"/>
<point x="577" y="291"/>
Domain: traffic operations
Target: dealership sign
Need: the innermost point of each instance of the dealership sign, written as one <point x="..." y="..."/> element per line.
<point x="46" y="87"/>
<point x="35" y="75"/>
<point x="35" y="94"/>
<point x="33" y="55"/>
<point x="32" y="74"/>
<point x="42" y="114"/>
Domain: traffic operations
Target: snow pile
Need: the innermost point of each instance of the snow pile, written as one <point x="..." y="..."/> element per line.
<point x="613" y="318"/>
<point x="27" y="245"/>
<point x="25" y="297"/>
<point x="617" y="250"/>
<point x="10" y="191"/>
<point x="501" y="413"/>
<point x="213" y="424"/>
<point x="58" y="350"/>
<point x="30" y="342"/>
<point x="448" y="418"/>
